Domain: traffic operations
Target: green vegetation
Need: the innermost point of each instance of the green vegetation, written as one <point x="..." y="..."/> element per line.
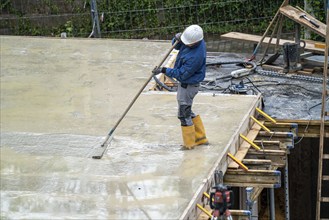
<point x="156" y="19"/>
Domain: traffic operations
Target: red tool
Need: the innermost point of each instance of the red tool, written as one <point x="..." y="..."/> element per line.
<point x="221" y="199"/>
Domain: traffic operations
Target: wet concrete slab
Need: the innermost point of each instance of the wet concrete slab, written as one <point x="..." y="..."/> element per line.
<point x="60" y="97"/>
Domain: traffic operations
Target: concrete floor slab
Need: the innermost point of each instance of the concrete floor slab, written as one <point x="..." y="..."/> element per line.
<point x="60" y="97"/>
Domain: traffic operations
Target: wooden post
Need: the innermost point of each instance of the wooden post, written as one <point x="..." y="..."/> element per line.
<point x="323" y="115"/>
<point x="285" y="2"/>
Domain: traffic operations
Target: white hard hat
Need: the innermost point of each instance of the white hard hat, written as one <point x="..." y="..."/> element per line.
<point x="192" y="34"/>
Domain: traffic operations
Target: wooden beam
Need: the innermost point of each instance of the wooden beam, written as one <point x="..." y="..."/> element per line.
<point x="324" y="199"/>
<point x="256" y="161"/>
<point x="257" y="164"/>
<point x="271" y="145"/>
<point x="256" y="192"/>
<point x="306" y="128"/>
<point x="272" y="68"/>
<point x="256" y="38"/>
<point x="253" y="178"/>
<point x="280" y="134"/>
<point x="207" y="210"/>
<point x="294" y="14"/>
<point x="267" y="152"/>
<point x="276" y="160"/>
<point x="301" y="122"/>
<point x="237" y="213"/>
<point x="325" y="177"/>
<point x="267" y="142"/>
<point x="286" y="138"/>
<point x="281" y="125"/>
<point x="320" y="194"/>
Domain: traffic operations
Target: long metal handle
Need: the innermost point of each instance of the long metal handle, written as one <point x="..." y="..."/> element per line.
<point x="137" y="95"/>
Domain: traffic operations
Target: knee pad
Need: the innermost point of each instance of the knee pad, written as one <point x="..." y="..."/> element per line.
<point x="185" y="115"/>
<point x="185" y="111"/>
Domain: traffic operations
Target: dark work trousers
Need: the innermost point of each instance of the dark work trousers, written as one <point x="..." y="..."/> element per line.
<point x="185" y="96"/>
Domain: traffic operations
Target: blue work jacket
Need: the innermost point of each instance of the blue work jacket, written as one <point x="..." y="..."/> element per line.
<point x="190" y="65"/>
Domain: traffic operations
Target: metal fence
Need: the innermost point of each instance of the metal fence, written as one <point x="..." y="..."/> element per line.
<point x="152" y="19"/>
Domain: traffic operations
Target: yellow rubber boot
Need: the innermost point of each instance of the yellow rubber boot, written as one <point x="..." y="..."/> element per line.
<point x="188" y="133"/>
<point x="200" y="132"/>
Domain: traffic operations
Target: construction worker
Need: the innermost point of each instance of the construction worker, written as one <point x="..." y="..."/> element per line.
<point x="189" y="71"/>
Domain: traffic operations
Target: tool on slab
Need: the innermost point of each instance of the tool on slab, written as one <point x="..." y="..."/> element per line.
<point x="309" y="20"/>
<point x="98" y="154"/>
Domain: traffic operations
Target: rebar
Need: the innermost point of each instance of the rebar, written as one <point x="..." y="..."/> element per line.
<point x="290" y="76"/>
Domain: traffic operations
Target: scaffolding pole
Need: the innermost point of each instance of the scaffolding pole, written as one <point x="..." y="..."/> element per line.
<point x="324" y="113"/>
<point x="286" y="190"/>
<point x="272" y="204"/>
<point x="96" y="31"/>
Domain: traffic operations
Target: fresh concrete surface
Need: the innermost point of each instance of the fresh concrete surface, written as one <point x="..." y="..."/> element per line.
<point x="60" y="97"/>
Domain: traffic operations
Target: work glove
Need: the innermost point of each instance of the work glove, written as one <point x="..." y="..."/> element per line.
<point x="177" y="37"/>
<point x="158" y="70"/>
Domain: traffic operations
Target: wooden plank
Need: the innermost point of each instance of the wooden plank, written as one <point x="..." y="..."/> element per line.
<point x="320" y="45"/>
<point x="245" y="146"/>
<point x="282" y="125"/>
<point x="272" y="68"/>
<point x="257" y="164"/>
<point x="267" y="152"/>
<point x="256" y="161"/>
<point x="325" y="199"/>
<point x="306" y="128"/>
<point x="255" y="193"/>
<point x="256" y="38"/>
<point x="294" y="14"/>
<point x="253" y="172"/>
<point x="267" y="143"/>
<point x="271" y="145"/>
<point x="277" y="134"/>
<point x="326" y="177"/>
<point x="258" y="190"/>
<point x="276" y="160"/>
<point x="237" y="213"/>
<point x="302" y="122"/>
<point x="322" y="127"/>
<point x="253" y="178"/>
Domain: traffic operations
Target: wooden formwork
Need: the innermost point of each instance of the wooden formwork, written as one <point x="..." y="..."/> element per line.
<point x="262" y="163"/>
<point x="222" y="164"/>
